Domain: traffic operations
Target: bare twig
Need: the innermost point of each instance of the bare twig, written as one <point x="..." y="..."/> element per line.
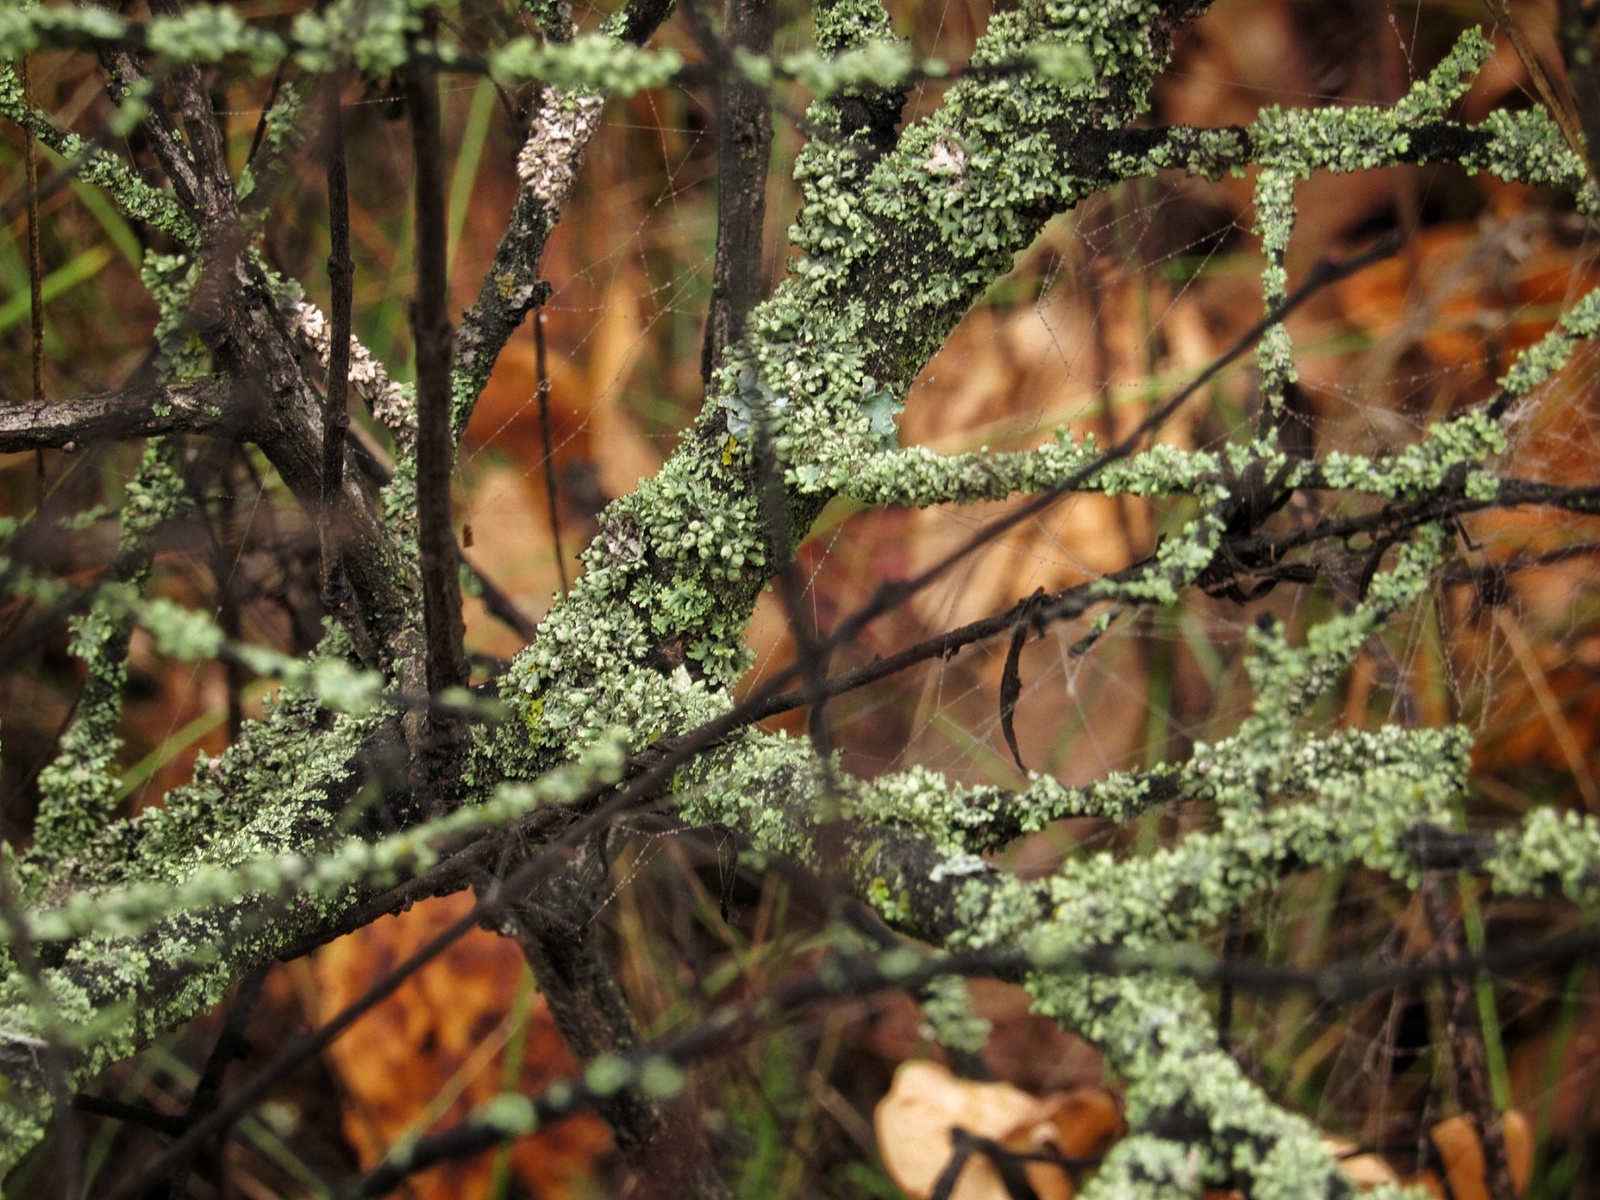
<point x="215" y="197"/>
<point x="336" y="410"/>
<point x="30" y="160"/>
<point x="1466" y="1040"/>
<point x="547" y="446"/>
<point x="230" y="1045"/>
<point x="440" y="563"/>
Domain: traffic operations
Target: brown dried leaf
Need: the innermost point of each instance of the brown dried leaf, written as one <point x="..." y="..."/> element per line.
<point x="1461" y="1153"/>
<point x="914" y="1123"/>
<point x="1368" y="1170"/>
<point x="421" y="1059"/>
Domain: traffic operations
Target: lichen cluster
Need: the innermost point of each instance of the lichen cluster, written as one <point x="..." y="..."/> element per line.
<point x="898" y="233"/>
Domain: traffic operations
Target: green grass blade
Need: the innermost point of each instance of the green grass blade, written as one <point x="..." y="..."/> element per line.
<point x="56" y="284"/>
<point x="466" y="172"/>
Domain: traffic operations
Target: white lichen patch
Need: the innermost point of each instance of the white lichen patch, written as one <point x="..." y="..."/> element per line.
<point x="388" y="401"/>
<point x="549" y="160"/>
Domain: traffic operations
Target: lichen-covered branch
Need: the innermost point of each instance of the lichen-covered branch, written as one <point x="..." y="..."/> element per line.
<point x="78" y="789"/>
<point x="1285" y="802"/>
<point x="185" y="406"/>
<point x="899" y="232"/>
<point x="547" y="170"/>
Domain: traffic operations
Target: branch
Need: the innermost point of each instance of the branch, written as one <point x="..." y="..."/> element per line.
<point x="554" y="924"/>
<point x="446" y="664"/>
<point x="197" y="406"/>
<point x="511" y="1116"/>
<point x="547" y="170"/>
<point x="744" y="149"/>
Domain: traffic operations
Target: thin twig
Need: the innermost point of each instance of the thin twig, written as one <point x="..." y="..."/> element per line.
<point x="811" y="655"/>
<point x="889" y="596"/>
<point x="30" y="158"/>
<point x="230" y="1045"/>
<point x="446" y="664"/>
<point x="861" y="975"/>
<point x="1555" y="103"/>
<point x="1466" y="1040"/>
<point x="336" y="409"/>
<point x="547" y="445"/>
<point x="1232" y="949"/>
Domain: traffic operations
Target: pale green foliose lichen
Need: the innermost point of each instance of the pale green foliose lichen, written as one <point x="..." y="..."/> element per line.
<point x="895" y="238"/>
<point x="947" y="1007"/>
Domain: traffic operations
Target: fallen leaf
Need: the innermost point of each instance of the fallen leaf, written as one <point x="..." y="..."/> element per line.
<point x="1461" y="1154"/>
<point x="1368" y="1170"/>
<point x="914" y="1123"/>
<point x="420" y="1060"/>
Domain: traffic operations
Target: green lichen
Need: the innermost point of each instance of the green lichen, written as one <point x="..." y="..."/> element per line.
<point x="78" y="789"/>
<point x="133" y="197"/>
<point x="1544" y="358"/>
<point x="896" y="236"/>
<point x="592" y="62"/>
<point x="318" y="874"/>
<point x="1457" y="447"/>
<point x="947" y="1007"/>
<point x="1281" y="798"/>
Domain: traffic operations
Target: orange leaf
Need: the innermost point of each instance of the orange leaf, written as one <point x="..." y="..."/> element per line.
<point x="435" y="1048"/>
<point x="1461" y="1153"/>
<point x="915" y="1120"/>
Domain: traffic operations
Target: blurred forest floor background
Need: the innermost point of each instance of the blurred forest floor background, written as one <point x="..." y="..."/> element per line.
<point x="1139" y="288"/>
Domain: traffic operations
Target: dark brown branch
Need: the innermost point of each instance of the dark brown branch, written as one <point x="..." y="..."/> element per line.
<point x="446" y="661"/>
<point x="336" y="406"/>
<point x="194" y="406"/>
<point x="547" y="446"/>
<point x="158" y="127"/>
<point x="555" y="928"/>
<point x="214" y="185"/>
<point x="374" y="467"/>
<point x="30" y="158"/>
<point x="1466" y="1040"/>
<point x="236" y="311"/>
<point x="744" y="151"/>
<point x="170" y="1124"/>
<point x="230" y="1045"/>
